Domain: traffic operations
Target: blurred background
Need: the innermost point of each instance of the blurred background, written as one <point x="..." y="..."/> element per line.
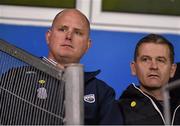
<point x="116" y="26"/>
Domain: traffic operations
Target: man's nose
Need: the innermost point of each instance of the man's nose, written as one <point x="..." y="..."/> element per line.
<point x="154" y="64"/>
<point x="69" y="35"/>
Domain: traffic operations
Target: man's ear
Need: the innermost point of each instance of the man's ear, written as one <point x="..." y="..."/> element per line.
<point x="48" y="36"/>
<point x="133" y="68"/>
<point x="88" y="44"/>
<point x="173" y="70"/>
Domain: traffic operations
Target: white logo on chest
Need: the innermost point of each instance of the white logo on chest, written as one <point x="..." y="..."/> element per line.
<point x="90" y="98"/>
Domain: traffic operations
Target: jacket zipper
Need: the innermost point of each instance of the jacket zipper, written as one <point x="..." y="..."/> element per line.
<point x="153" y="103"/>
<point x="174" y="114"/>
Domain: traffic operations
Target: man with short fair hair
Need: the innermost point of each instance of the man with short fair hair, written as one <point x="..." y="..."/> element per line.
<point x="68" y="40"/>
<point x="39" y="99"/>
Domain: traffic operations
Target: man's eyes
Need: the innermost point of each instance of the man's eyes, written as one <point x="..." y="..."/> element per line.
<point x="62" y="29"/>
<point x="144" y="59"/>
<point x="78" y="32"/>
<point x="65" y="29"/>
<point x="161" y="60"/>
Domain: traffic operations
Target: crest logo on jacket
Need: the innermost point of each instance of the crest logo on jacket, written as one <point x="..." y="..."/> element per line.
<point x="41" y="91"/>
<point x="90" y="98"/>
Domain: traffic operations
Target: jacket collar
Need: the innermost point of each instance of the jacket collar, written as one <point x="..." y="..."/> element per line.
<point x="132" y="91"/>
<point x="87" y="75"/>
<point x="90" y="75"/>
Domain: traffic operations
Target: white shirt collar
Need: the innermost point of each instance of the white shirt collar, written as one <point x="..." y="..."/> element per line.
<point x="50" y="60"/>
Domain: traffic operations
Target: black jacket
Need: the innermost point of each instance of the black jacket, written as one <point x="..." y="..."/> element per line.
<point x="104" y="109"/>
<point x="24" y="83"/>
<point x="139" y="108"/>
<point x="176" y="91"/>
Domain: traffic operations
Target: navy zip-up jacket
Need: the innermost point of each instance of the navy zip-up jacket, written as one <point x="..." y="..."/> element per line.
<point x="100" y="104"/>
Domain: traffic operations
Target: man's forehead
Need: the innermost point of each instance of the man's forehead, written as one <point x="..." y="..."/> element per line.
<point x="153" y="49"/>
<point x="71" y="18"/>
<point x="72" y="13"/>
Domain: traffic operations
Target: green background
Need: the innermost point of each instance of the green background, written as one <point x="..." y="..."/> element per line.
<point x="163" y="7"/>
<point x="41" y="3"/>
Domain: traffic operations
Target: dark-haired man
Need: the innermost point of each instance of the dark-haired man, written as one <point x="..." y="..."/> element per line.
<point x="153" y="65"/>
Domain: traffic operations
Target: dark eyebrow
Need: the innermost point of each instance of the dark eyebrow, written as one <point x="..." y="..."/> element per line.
<point x="144" y="56"/>
<point x="162" y="57"/>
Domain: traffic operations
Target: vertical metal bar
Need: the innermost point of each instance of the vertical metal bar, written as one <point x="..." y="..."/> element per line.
<point x="166" y="89"/>
<point x="74" y="92"/>
<point x="166" y="106"/>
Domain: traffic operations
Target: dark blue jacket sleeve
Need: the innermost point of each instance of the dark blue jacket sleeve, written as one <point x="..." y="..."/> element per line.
<point x="110" y="113"/>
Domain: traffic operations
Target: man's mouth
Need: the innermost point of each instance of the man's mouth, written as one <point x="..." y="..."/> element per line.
<point x="67" y="45"/>
<point x="153" y="76"/>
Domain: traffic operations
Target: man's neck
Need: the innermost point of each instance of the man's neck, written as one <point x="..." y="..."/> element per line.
<point x="156" y="93"/>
